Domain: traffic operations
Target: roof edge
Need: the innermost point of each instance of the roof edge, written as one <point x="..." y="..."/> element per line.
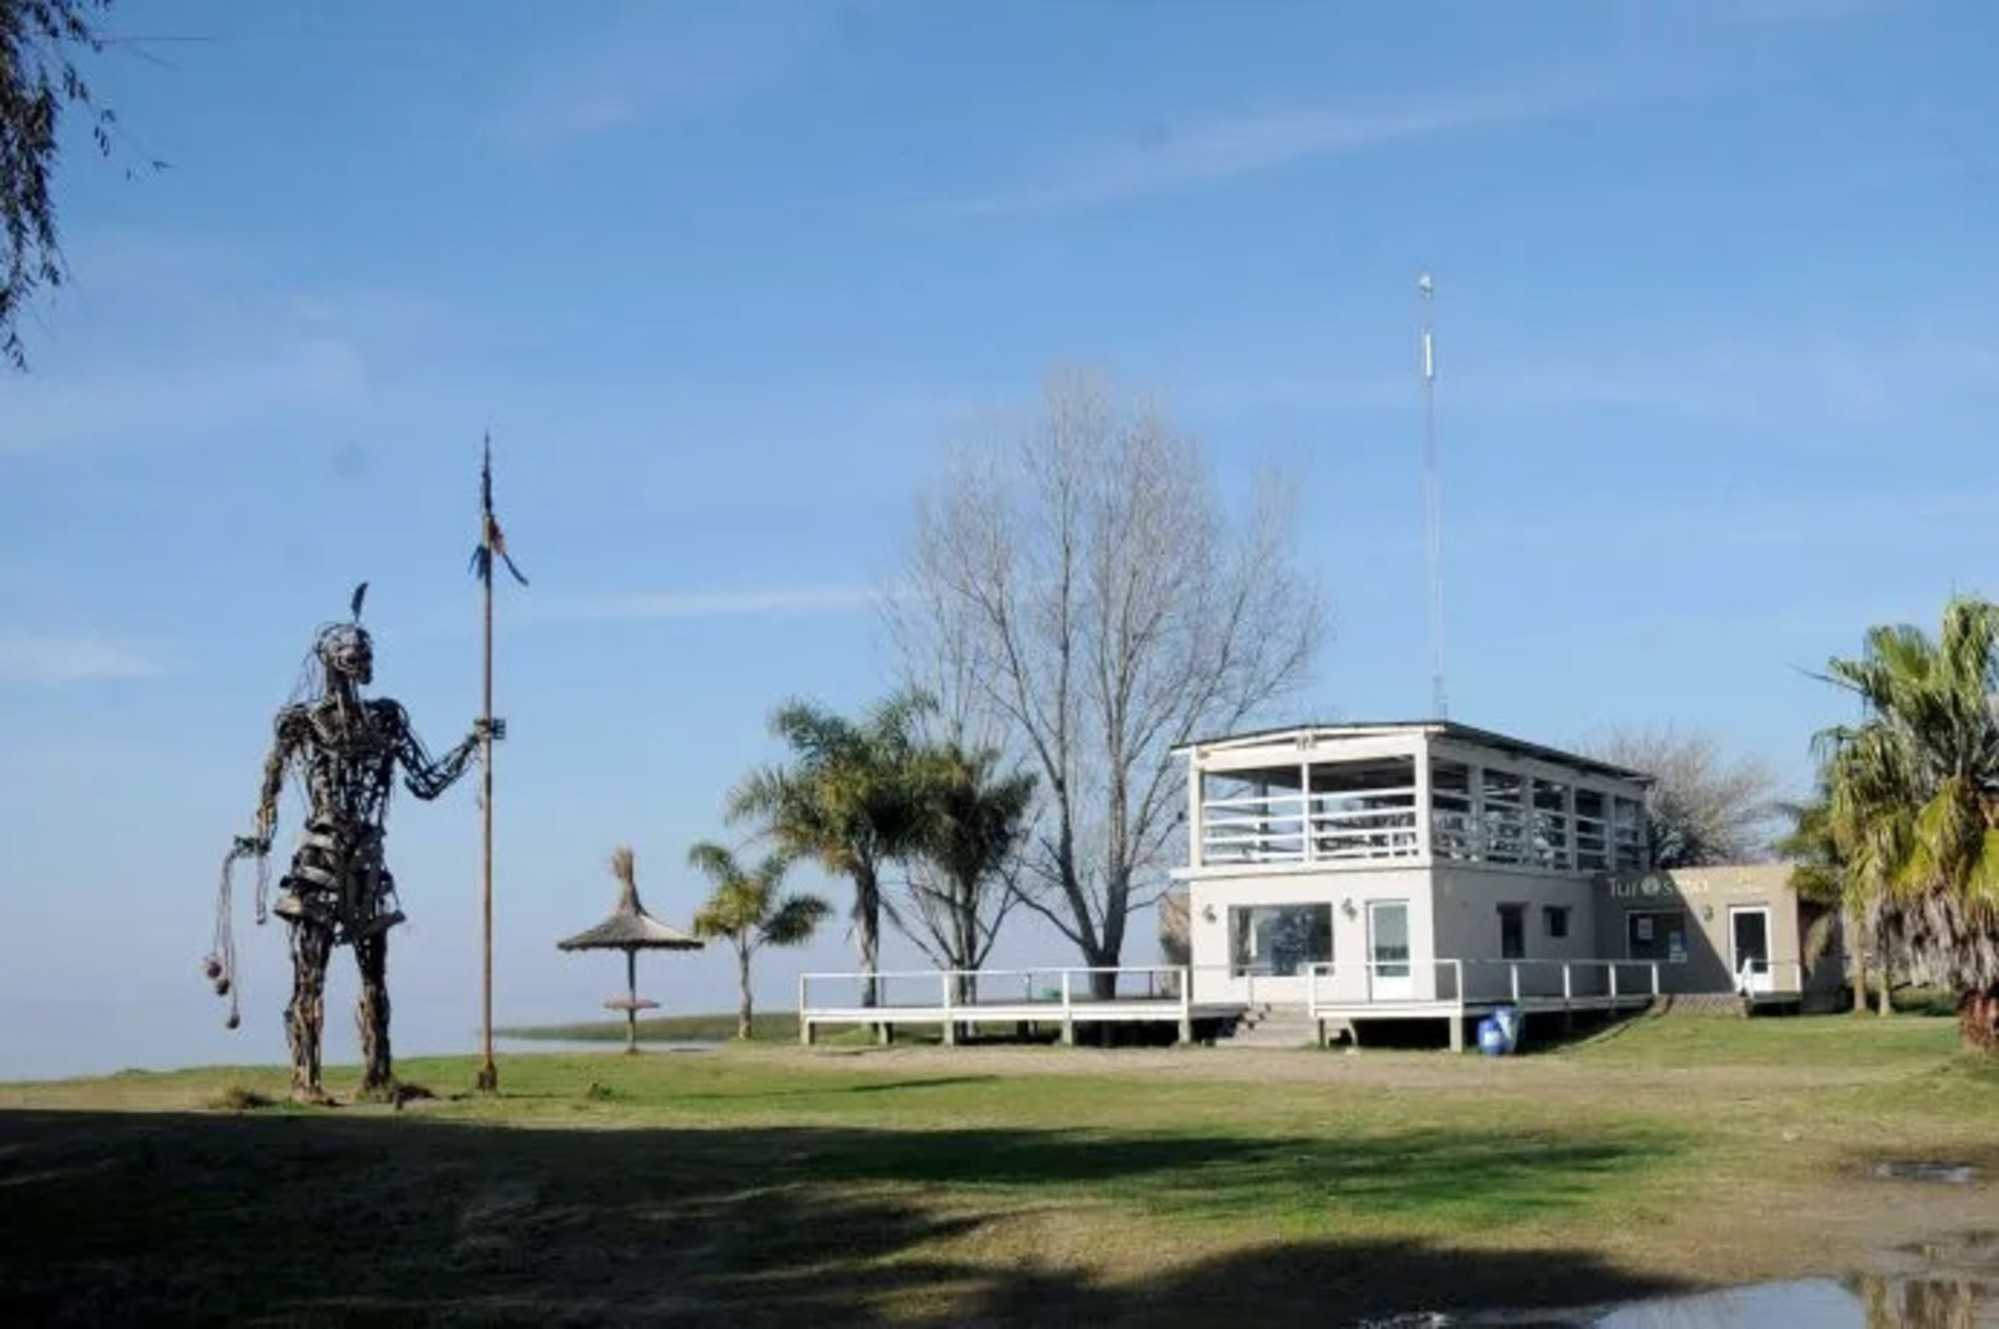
<point x="1439" y="728"/>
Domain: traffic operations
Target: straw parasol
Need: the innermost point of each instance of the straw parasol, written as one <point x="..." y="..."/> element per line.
<point x="630" y="929"/>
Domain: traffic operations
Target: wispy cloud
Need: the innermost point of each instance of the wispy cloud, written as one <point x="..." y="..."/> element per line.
<point x="1212" y="148"/>
<point x="49" y="661"/>
<point x="52" y="411"/>
<point x="1747" y="378"/>
<point x="671" y="63"/>
<point x="682" y="605"/>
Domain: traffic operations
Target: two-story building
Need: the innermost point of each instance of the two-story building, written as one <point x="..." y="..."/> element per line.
<point x="1431" y="869"/>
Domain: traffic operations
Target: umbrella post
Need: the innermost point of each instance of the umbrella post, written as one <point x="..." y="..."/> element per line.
<point x="632" y="1010"/>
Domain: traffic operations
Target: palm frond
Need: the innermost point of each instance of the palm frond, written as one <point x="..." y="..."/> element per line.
<point x="794" y="921"/>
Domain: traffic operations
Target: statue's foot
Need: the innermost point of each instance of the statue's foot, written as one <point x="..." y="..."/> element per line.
<point x="311" y="1095"/>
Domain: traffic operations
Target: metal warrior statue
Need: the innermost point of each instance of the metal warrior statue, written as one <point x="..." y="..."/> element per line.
<point x="345" y="749"/>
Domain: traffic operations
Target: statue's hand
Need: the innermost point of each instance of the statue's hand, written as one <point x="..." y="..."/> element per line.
<point x="253" y="845"/>
<point x="494" y="728"/>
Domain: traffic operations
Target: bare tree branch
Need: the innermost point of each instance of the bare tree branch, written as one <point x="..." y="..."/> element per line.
<point x="1098" y="604"/>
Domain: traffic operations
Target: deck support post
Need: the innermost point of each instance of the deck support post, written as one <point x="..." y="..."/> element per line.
<point x="1186" y="1006"/>
<point x="885" y="1034"/>
<point x="805" y="1032"/>
<point x="1457" y="1033"/>
<point x="1068" y="1013"/>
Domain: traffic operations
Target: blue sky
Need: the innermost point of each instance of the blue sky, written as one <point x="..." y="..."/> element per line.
<point x="1718" y="349"/>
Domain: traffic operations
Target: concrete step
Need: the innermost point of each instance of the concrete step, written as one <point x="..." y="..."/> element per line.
<point x="1712" y="1004"/>
<point x="1273" y="1027"/>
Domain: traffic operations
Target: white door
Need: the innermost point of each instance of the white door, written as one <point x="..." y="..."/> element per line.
<point x="1388" y="951"/>
<point x="1749" y="949"/>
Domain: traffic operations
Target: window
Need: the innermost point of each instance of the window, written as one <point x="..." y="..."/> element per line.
<point x="1655" y="934"/>
<point x="1280" y="939"/>
<point x="1592" y="830"/>
<point x="1556" y="919"/>
<point x="1452" y="831"/>
<point x="1512" y="931"/>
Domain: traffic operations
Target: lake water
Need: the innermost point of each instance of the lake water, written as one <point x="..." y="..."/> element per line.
<point x="522" y="1046"/>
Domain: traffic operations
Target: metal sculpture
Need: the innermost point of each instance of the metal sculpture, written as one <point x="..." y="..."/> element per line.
<point x="345" y="750"/>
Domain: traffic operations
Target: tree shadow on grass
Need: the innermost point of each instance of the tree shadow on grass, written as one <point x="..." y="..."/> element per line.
<point x="115" y="1217"/>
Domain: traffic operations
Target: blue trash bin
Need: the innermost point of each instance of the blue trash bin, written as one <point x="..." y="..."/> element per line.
<point x="1499" y="1032"/>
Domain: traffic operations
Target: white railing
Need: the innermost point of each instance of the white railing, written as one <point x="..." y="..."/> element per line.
<point x="1324" y="827"/>
<point x="1385" y="983"/>
<point x="966" y="992"/>
<point x="1567" y="980"/>
<point x="1762" y="978"/>
<point x="1388" y="984"/>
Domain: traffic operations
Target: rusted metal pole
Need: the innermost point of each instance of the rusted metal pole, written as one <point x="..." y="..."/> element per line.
<point x="489" y="1073"/>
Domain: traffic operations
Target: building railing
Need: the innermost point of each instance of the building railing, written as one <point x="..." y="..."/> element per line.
<point x="1504" y="832"/>
<point x="1345" y="985"/>
<point x="952" y="999"/>
<point x="1761" y="978"/>
<point x="913" y="989"/>
<point x="1384" y="983"/>
<point x="1319" y="827"/>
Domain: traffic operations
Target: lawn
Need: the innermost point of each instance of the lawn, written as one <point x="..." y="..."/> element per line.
<point x="663" y="1028"/>
<point x="769" y="1184"/>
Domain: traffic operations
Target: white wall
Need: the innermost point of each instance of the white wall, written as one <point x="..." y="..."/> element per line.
<point x="1210" y="937"/>
<point x="1467" y="916"/>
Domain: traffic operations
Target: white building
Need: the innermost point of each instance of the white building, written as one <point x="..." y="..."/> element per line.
<point x="1433" y="869"/>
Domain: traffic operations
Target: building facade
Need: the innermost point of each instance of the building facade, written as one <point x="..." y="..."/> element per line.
<point x="1422" y="866"/>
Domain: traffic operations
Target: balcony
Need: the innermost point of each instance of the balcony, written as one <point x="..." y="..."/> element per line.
<point x="1346" y="826"/>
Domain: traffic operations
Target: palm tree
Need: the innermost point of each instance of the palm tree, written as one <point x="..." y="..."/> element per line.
<point x="1915" y="800"/>
<point x="848" y="799"/>
<point x="1820" y="880"/>
<point x="748" y="911"/>
<point x="972" y="820"/>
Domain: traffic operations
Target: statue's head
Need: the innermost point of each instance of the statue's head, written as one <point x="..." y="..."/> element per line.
<point x="347" y="652"/>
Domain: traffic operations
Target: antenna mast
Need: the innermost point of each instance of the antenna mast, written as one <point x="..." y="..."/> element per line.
<point x="1432" y="513"/>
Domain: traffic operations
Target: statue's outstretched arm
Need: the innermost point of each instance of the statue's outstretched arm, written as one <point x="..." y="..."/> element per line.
<point x="421" y="775"/>
<point x="284" y="743"/>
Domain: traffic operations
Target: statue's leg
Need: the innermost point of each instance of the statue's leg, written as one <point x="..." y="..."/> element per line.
<point x="372" y="954"/>
<point x="312" y="945"/>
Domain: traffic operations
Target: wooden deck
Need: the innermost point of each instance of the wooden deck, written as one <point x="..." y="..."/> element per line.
<point x="1079" y="1012"/>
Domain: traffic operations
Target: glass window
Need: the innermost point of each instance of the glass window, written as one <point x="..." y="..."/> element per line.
<point x="1592" y="830"/>
<point x="1505" y="829"/>
<point x="1512" y="931"/>
<point x="1655" y="934"/>
<point x="1280" y="939"/>
<point x="1388" y="943"/>
<point x="1452" y="834"/>
<point x="1556" y="917"/>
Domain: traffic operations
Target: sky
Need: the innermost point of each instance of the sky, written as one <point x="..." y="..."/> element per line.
<point x="1718" y="355"/>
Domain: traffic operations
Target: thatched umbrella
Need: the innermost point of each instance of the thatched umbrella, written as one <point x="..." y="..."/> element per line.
<point x="630" y="929"/>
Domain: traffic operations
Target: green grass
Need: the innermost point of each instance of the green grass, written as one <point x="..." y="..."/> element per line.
<point x="770" y="1184"/>
<point x="1842" y="1040"/>
<point x="768" y="1026"/>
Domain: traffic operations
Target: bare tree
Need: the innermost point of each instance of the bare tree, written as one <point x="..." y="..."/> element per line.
<point x="1094" y="602"/>
<point x="1176" y="943"/>
<point x="1702" y="808"/>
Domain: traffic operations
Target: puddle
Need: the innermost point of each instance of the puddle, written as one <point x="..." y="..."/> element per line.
<point x="1949" y="1283"/>
<point x="1951" y="1174"/>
